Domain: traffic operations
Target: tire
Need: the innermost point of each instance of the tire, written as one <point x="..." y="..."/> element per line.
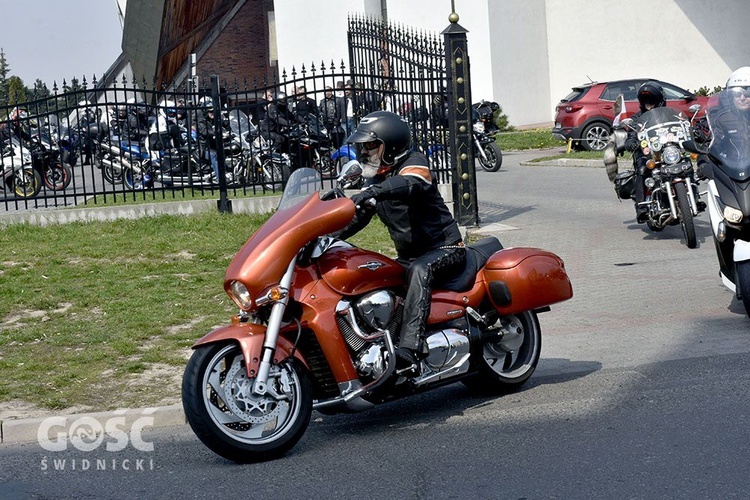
<point x="57" y="176"/>
<point x="323" y="164"/>
<point x="686" y="215"/>
<point x="595" y="137"/>
<point x="27" y="182"/>
<point x="504" y="366"/>
<point x="275" y="175"/>
<point x="241" y="426"/>
<point x="494" y="157"/>
<point x="132" y="179"/>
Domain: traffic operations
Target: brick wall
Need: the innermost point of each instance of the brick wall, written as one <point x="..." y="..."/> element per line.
<point x="241" y="51"/>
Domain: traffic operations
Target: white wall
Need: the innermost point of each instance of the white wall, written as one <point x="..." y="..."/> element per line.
<point x="314" y="30"/>
<point x="527" y="54"/>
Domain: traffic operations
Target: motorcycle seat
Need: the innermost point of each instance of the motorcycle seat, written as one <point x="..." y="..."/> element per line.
<point x="477" y="254"/>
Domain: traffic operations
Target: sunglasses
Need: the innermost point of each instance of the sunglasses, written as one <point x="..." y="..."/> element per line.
<point x="738" y="92"/>
<point x="371" y="145"/>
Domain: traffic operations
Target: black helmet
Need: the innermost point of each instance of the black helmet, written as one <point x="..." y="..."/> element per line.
<point x="388" y="128"/>
<point x="651" y="93"/>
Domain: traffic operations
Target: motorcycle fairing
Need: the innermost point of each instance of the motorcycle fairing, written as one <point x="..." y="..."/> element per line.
<point x="733" y="192"/>
<point x="250" y="337"/>
<point x="262" y="261"/>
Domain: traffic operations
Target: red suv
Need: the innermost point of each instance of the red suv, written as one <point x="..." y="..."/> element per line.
<point x="585" y="115"/>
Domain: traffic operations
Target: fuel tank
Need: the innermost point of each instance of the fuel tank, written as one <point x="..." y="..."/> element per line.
<point x="353" y="271"/>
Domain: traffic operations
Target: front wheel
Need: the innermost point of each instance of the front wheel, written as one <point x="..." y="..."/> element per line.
<point x="234" y="422"/>
<point x="505" y="364"/>
<point x="494" y="157"/>
<point x="27" y="182"/>
<point x="686" y="215"/>
<point x="743" y="283"/>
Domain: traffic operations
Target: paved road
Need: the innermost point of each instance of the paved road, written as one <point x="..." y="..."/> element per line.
<point x="641" y="392"/>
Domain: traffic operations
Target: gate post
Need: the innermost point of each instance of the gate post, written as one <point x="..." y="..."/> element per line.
<point x="465" y="209"/>
<point x="224" y="204"/>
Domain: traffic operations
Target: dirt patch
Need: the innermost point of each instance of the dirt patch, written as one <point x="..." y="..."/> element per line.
<point x="14" y="410"/>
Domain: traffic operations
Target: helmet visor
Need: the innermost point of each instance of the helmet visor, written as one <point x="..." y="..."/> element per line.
<point x="648" y="98"/>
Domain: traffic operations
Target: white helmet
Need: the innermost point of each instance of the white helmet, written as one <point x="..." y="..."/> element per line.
<point x="740" y="78"/>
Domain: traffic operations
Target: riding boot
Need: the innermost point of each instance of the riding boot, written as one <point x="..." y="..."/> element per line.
<point x="420" y="275"/>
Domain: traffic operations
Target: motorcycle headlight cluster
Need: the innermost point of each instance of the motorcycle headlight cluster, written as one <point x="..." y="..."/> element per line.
<point x="732" y="215"/>
<point x="240" y="295"/>
<point x="671" y="155"/>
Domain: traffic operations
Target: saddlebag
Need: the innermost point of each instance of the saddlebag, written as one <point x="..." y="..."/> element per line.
<point x="625" y="184"/>
<point x="523" y="279"/>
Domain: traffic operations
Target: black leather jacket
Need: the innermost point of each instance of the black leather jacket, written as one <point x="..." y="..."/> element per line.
<point x="411" y="207"/>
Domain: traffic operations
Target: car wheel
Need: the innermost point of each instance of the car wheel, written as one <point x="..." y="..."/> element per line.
<point x="595" y="137"/>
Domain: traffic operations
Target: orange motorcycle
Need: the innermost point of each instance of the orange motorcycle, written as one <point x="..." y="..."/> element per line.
<point x="318" y="318"/>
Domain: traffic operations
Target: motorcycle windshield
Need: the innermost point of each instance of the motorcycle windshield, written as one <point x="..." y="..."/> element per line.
<point x="730" y="134"/>
<point x="239" y="123"/>
<point x="301" y="184"/>
<point x="300" y="218"/>
<point x="660" y="126"/>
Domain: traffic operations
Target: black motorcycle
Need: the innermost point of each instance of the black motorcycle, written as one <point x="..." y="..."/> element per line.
<point x="725" y="163"/>
<point x="486" y="150"/>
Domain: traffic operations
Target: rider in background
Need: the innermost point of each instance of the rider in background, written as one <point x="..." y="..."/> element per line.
<point x="730" y="120"/>
<point x="427" y="239"/>
<point x="650" y="96"/>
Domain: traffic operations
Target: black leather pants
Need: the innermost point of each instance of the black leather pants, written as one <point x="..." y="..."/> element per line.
<point x="422" y="272"/>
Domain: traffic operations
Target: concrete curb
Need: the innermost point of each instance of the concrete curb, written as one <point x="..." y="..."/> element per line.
<point x="576" y="162"/>
<point x="31" y="430"/>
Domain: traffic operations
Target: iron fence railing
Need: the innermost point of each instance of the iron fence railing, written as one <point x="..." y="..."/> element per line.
<point x="130" y="141"/>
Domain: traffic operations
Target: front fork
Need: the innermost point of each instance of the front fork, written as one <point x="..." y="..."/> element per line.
<point x="260" y="386"/>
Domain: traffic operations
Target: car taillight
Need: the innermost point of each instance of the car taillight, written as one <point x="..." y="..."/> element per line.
<point x="571" y="108"/>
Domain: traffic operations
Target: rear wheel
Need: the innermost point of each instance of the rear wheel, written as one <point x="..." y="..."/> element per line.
<point x="505" y="364"/>
<point x="233" y="421"/>
<point x="57" y="176"/>
<point x="595" y="137"/>
<point x="686" y="215"/>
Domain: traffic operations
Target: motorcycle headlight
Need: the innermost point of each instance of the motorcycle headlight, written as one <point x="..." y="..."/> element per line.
<point x="671" y="155"/>
<point x="240" y="295"/>
<point x="732" y="215"/>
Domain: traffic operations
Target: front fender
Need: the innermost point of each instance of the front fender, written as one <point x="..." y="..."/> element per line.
<point x="250" y="337"/>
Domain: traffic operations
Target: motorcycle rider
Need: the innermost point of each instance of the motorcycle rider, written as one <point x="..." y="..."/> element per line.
<point x="207" y="134"/>
<point x="650" y="96"/>
<point x="407" y="200"/>
<point x="731" y="119"/>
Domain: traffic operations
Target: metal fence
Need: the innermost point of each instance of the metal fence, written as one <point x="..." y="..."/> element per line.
<point x="133" y="142"/>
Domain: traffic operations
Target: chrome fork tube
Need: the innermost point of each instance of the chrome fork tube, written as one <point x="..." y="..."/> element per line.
<point x="272" y="333"/>
<point x="670" y="197"/>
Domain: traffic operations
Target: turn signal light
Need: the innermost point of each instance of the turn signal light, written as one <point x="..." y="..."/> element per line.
<point x="650" y="164"/>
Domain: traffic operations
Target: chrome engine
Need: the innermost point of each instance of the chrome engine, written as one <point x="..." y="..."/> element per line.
<point x="366" y="321"/>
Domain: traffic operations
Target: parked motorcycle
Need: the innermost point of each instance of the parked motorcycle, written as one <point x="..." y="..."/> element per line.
<point x="310" y="146"/>
<point x="318" y="319"/>
<point x="46" y="159"/>
<point x="18" y="173"/>
<point x="124" y="162"/>
<point x="671" y="189"/>
<point x="486" y="150"/>
<point x="726" y="165"/>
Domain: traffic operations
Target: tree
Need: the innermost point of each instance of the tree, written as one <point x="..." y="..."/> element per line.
<point x="4" y="70"/>
<point x="16" y="90"/>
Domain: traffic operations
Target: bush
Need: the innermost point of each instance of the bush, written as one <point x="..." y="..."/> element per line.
<point x="705" y="91"/>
